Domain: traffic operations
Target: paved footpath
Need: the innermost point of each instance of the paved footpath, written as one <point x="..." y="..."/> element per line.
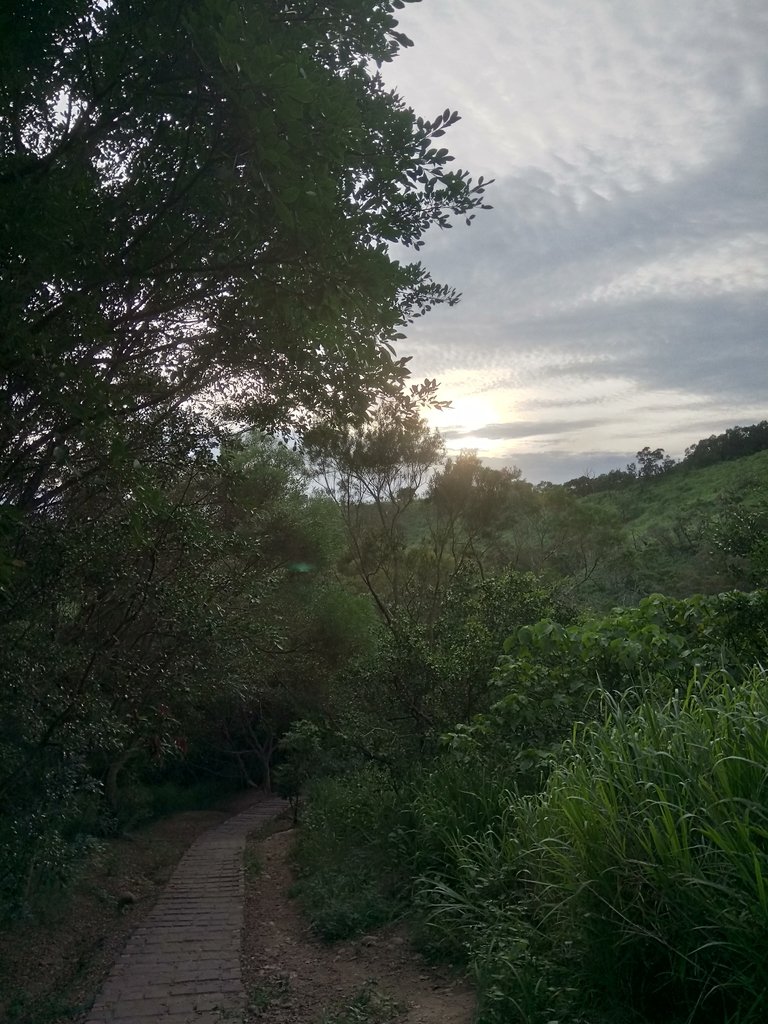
<point x="182" y="965"/>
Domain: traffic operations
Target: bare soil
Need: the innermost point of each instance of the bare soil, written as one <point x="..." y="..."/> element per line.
<point x="292" y="977"/>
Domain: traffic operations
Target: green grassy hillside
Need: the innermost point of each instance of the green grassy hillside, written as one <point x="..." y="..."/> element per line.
<point x="674" y="525"/>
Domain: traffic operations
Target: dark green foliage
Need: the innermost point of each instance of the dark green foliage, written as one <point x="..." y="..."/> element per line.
<point x="661" y="636"/>
<point x="652" y="463"/>
<point x="652" y="844"/>
<point x="45" y="833"/>
<point x="740" y="532"/>
<point x="301" y="760"/>
<point x="676" y="530"/>
<point x="393" y="704"/>
<point x="198" y="200"/>
<point x="600" y="872"/>
<point x="145" y="800"/>
<point x="467" y="508"/>
<point x="553" y="675"/>
<point x="735" y="443"/>
<point x="632" y="887"/>
<point x="372" y="474"/>
<point x="167" y="625"/>
<point x="346" y="880"/>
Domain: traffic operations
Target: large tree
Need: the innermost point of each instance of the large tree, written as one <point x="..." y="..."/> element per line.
<point x="198" y="198"/>
<point x="469" y="507"/>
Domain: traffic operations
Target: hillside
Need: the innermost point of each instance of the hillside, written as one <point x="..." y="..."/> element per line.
<point x="672" y="523"/>
<point x="689" y="530"/>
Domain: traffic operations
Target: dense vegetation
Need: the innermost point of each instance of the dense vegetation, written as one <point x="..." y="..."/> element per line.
<point x="593" y="845"/>
<point x="232" y="552"/>
<point x="198" y="199"/>
<point x="570" y="801"/>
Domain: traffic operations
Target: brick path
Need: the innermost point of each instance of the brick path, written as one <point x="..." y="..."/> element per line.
<point x="182" y="965"/>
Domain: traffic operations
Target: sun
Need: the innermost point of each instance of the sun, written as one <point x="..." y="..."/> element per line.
<point x="468" y="414"/>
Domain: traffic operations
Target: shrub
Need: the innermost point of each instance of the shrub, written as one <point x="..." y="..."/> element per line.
<point x="635" y="883"/>
<point x="44" y="837"/>
<point x="346" y="883"/>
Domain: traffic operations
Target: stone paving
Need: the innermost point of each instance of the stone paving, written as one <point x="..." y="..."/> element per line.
<point x="182" y="965"/>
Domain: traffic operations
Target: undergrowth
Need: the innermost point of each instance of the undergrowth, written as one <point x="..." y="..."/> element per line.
<point x="345" y="880"/>
<point x="367" y="1006"/>
<point x="141" y="803"/>
<point x="632" y="887"/>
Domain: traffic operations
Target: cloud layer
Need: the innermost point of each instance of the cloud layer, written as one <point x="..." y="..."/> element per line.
<point x="616" y="295"/>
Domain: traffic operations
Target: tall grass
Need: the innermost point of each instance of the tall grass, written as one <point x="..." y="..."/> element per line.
<point x="635" y="886"/>
<point x="651" y="843"/>
<point x="632" y="889"/>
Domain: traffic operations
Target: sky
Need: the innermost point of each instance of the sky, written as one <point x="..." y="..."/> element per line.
<point x="615" y="296"/>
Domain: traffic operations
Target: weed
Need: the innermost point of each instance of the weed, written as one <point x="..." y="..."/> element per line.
<point x="369" y="1006"/>
<point x="346" y="900"/>
<point x="252" y="864"/>
<point x="268" y="993"/>
<point x="650" y="846"/>
<point x="346" y="884"/>
<point x="637" y="879"/>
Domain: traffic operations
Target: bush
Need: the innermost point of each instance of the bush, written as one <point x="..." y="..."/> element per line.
<point x="610" y="872"/>
<point x="652" y="847"/>
<point x="44" y="838"/>
<point x="552" y="676"/>
<point x="346" y="883"/>
<point x="141" y="803"/>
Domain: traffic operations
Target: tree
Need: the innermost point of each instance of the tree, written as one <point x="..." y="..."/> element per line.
<point x="733" y="444"/>
<point x="740" y="535"/>
<point x="198" y="201"/>
<point x="561" y="537"/>
<point x="393" y="703"/>
<point x="467" y="508"/>
<point x="198" y="198"/>
<point x="373" y="475"/>
<point x="653" y="462"/>
<point x="190" y="612"/>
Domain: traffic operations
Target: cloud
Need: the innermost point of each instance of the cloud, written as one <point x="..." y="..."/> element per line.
<point x="508" y="431"/>
<point x="712" y="345"/>
<point x="648" y="88"/>
<point x="567" y="296"/>
<point x="625" y="263"/>
<point x="561" y="465"/>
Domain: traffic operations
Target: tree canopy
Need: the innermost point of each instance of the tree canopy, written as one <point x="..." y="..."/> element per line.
<point x="198" y="200"/>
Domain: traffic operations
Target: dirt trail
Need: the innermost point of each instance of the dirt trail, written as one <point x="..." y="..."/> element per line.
<point x="292" y="977"/>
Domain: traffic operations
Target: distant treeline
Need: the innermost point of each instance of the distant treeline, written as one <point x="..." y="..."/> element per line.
<point x="735" y="443"/>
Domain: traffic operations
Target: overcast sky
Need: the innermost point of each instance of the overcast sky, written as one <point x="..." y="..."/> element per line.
<point x="616" y="294"/>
